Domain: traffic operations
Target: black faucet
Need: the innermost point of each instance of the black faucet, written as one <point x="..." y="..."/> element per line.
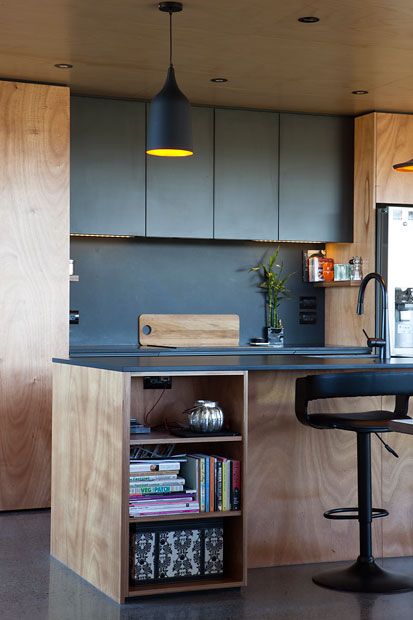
<point x="382" y="342"/>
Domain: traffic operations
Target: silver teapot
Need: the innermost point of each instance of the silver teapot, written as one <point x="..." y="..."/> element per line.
<point x="206" y="416"/>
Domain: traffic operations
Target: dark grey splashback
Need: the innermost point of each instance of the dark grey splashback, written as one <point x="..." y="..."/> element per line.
<point x="122" y="278"/>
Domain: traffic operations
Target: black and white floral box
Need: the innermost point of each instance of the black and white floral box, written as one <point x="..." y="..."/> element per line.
<point x="174" y="551"/>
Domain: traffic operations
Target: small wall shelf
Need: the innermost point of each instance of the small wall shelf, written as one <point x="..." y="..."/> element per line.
<point x="337" y="283"/>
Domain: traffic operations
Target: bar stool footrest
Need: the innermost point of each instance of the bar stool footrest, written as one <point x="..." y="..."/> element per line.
<point x="345" y="513"/>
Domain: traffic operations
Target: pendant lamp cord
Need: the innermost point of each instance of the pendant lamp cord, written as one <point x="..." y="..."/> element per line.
<point x="170" y="38"/>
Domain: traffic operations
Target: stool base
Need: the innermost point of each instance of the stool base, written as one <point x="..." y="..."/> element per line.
<point x="364" y="576"/>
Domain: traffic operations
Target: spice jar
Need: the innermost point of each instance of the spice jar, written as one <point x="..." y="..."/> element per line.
<point x="356" y="268"/>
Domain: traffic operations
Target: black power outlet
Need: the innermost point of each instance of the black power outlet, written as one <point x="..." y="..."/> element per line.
<point x="157" y="383"/>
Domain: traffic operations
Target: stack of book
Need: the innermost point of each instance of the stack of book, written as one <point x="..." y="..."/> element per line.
<point x="156" y="488"/>
<point x="217" y="481"/>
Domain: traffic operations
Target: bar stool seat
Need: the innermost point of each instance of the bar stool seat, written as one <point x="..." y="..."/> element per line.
<point x="367" y="421"/>
<point x="364" y="575"/>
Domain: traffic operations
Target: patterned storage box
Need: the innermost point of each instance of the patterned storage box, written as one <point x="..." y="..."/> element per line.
<point x="179" y="550"/>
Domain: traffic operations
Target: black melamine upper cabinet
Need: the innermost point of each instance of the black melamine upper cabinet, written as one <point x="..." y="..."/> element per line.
<point x="180" y="189"/>
<point x="246" y="174"/>
<point x="107" y="166"/>
<point x="316" y="178"/>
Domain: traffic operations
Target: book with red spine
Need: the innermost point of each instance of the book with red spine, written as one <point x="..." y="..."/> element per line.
<point x="212" y="461"/>
<point x="235" y="485"/>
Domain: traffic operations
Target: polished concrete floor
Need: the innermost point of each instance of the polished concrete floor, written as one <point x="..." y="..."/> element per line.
<point x="33" y="586"/>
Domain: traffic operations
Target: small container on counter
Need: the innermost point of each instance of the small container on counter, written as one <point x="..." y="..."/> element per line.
<point x="341" y="271"/>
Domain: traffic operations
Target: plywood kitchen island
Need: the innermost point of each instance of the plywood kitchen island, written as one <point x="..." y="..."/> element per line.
<point x="291" y="473"/>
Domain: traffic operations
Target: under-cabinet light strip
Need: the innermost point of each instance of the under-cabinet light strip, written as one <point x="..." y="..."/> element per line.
<point x="287" y="241"/>
<point x="104" y="236"/>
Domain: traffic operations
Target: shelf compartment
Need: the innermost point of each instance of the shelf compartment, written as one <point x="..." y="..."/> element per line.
<point x="159" y="437"/>
<point x="187" y="516"/>
<point x="185" y="586"/>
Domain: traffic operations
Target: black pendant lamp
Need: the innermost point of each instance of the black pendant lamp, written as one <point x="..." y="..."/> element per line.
<point x="170" y="127"/>
<point x="406" y="166"/>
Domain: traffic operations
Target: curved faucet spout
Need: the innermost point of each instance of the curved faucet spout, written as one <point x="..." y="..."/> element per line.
<point x="384" y="332"/>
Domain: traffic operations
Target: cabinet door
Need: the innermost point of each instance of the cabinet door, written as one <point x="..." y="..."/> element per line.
<point x="34" y="289"/>
<point x="316" y="178"/>
<point x="107" y="166"/>
<point x="246" y="174"/>
<point x="180" y="189"/>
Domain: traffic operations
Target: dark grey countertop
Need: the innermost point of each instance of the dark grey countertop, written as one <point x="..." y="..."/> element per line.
<point x="175" y="363"/>
<point x="131" y="351"/>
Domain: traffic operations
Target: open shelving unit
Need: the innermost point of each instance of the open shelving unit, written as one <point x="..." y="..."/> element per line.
<point x="338" y="283"/>
<point x="91" y="441"/>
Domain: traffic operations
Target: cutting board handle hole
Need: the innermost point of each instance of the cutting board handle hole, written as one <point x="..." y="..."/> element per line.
<point x="146" y="329"/>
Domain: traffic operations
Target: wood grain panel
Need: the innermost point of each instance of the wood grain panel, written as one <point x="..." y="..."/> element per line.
<point x="397" y="475"/>
<point x="342" y="325"/>
<point x="90" y="467"/>
<point x="295" y="473"/>
<point x="394" y="145"/>
<point x="189" y="330"/>
<point x="272" y="61"/>
<point x="34" y="286"/>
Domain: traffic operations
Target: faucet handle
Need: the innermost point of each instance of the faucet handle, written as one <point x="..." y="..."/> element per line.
<point x="374" y="342"/>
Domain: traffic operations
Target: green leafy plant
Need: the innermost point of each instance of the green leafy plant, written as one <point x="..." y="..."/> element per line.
<point x="274" y="285"/>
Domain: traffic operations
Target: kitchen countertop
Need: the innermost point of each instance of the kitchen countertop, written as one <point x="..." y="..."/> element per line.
<point x="155" y="363"/>
<point x="131" y="351"/>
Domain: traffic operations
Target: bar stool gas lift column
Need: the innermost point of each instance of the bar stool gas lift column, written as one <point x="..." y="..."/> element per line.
<point x="364" y="575"/>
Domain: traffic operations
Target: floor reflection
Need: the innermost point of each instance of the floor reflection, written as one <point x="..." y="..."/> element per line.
<point x="34" y="586"/>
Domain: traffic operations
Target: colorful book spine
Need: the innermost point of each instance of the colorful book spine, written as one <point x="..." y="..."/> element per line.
<point x="224" y="485"/>
<point x="212" y="462"/>
<point x="207" y="484"/>
<point x="164" y="498"/>
<point x="152" y="478"/>
<point x="235" y="485"/>
<point x="155" y="483"/>
<point x="201" y="464"/>
<point x="141" y="490"/>
<point x="155" y="467"/>
<point x="219" y="485"/>
<point x="151" y="505"/>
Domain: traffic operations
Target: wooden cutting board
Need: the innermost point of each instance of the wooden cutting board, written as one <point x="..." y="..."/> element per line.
<point x="189" y="330"/>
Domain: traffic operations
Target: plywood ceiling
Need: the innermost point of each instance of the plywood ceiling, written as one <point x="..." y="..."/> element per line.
<point x="120" y="48"/>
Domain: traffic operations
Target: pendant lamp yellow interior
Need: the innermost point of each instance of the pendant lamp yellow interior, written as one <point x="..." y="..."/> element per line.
<point x="406" y="166"/>
<point x="170" y="126"/>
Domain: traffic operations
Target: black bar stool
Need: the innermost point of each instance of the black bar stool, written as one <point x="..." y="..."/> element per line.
<point x="364" y="575"/>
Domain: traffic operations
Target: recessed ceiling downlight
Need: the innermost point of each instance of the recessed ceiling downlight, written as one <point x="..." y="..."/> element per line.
<point x="63" y="65"/>
<point x="309" y="19"/>
<point x="219" y="80"/>
<point x="359" y="92"/>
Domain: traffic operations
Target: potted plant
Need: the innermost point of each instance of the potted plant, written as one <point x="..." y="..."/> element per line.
<point x="274" y="285"/>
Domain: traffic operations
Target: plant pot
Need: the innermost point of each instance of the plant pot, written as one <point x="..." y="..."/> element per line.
<point x="275" y="336"/>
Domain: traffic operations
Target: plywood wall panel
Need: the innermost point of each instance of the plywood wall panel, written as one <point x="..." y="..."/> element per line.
<point x="34" y="287"/>
<point x="295" y="473"/>
<point x="398" y="491"/>
<point x="89" y="527"/>
<point x="342" y="325"/>
<point x="394" y="145"/>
